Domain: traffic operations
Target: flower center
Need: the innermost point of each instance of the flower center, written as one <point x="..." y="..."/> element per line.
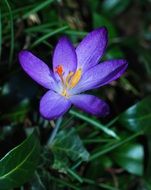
<point x="69" y="81"/>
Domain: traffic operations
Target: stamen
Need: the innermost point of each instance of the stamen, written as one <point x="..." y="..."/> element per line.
<point x="69" y="77"/>
<point x="75" y="79"/>
<point x="59" y="71"/>
<point x="64" y="93"/>
<point x="70" y="81"/>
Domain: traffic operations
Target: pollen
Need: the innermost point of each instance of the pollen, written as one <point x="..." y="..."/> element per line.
<point x="75" y="78"/>
<point x="64" y="93"/>
<point x="69" y="81"/>
<point x="59" y="70"/>
<point x="68" y="78"/>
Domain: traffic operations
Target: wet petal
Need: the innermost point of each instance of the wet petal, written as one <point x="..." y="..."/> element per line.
<point x="91" y="49"/>
<point x="64" y="57"/>
<point x="100" y="75"/>
<point x="53" y="105"/>
<point x="36" y="69"/>
<point x="90" y="104"/>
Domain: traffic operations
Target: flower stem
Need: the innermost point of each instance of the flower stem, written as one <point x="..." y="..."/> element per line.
<point x="55" y="130"/>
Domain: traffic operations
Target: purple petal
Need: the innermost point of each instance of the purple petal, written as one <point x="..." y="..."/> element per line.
<point x="53" y="105"/>
<point x="36" y="69"/>
<point x="90" y="104"/>
<point x="65" y="56"/>
<point x="91" y="49"/>
<point x="100" y="75"/>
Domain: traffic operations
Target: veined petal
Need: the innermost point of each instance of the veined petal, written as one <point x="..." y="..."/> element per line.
<point x="64" y="57"/>
<point x="91" y="49"/>
<point x="90" y="104"/>
<point x="100" y="75"/>
<point x="36" y="69"/>
<point x="53" y="105"/>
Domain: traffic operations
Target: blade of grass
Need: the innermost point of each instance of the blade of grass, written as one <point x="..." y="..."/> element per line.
<point x="40" y="27"/>
<point x="76" y="165"/>
<point x="0" y="34"/>
<point x="19" y="10"/>
<point x="37" y="8"/>
<point x="112" y="147"/>
<point x="48" y="35"/>
<point x="66" y="122"/>
<point x="95" y="124"/>
<point x="110" y="123"/>
<point x="93" y="134"/>
<point x="14" y="114"/>
<point x="125" y="82"/>
<point x="12" y="33"/>
<point x="39" y="180"/>
<point x="76" y="33"/>
<point x="64" y="183"/>
<point x="89" y="141"/>
<point x="104" y="186"/>
<point x="55" y="130"/>
<point x="44" y="42"/>
<point x="75" y="175"/>
<point x="80" y="127"/>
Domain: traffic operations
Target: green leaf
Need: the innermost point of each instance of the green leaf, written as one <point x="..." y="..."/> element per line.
<point x="18" y="165"/>
<point x="138" y="117"/>
<point x="130" y="157"/>
<point x="68" y="145"/>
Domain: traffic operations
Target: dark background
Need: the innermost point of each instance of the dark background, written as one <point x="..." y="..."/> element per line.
<point x="36" y="25"/>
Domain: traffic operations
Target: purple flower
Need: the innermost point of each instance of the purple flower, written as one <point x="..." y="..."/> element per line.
<point x="74" y="71"/>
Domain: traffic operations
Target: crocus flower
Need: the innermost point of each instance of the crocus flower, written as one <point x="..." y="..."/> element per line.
<point x="74" y="72"/>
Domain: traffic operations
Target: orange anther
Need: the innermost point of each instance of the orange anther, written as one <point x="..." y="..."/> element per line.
<point x="75" y="78"/>
<point x="59" y="70"/>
